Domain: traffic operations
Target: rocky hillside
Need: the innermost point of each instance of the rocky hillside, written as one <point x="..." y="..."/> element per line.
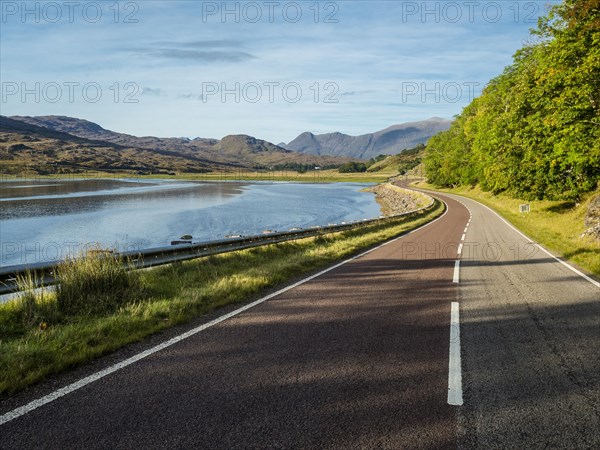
<point x="90" y="130"/>
<point x="32" y="149"/>
<point x="592" y="219"/>
<point x="389" y="141"/>
<point x="176" y="154"/>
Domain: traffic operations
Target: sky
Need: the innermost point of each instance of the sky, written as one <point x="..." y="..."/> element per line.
<point x="269" y="69"/>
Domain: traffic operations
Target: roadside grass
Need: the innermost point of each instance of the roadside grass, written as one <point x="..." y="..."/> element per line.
<point x="557" y="225"/>
<point x="39" y="336"/>
<point x="95" y="284"/>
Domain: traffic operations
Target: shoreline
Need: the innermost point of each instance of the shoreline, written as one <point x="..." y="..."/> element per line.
<point x="393" y="199"/>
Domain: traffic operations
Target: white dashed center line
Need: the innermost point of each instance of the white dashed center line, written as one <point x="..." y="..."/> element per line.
<point x="455" y="396"/>
<point x="455" y="279"/>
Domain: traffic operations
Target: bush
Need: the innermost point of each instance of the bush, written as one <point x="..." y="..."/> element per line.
<point x="96" y="284"/>
<point x="353" y="167"/>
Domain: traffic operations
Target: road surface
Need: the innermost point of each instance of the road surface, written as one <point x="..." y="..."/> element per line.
<point x="362" y="356"/>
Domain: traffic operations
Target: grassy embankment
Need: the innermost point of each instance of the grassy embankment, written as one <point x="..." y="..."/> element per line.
<point x="557" y="225"/>
<point x="99" y="308"/>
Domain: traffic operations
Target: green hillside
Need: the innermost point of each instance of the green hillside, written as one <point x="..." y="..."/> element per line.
<point x="399" y="164"/>
<point x="535" y="130"/>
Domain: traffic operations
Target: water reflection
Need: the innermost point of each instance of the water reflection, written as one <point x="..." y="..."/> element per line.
<point x="79" y="196"/>
<point x="35" y="188"/>
<point x="61" y="217"/>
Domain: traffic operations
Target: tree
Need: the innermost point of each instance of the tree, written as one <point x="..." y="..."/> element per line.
<point x="535" y="130"/>
<point x="353" y="167"/>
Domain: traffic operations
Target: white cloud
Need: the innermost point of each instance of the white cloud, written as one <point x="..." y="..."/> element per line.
<point x="171" y="53"/>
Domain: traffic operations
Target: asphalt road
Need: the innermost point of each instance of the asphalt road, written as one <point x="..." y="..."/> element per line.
<point x="359" y="358"/>
<point x="530" y="334"/>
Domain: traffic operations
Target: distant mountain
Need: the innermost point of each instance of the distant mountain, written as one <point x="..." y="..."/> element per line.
<point x="90" y="130"/>
<point x="77" y="127"/>
<point x="390" y="141"/>
<point x="200" y="153"/>
<point x="30" y="148"/>
<point x="241" y="143"/>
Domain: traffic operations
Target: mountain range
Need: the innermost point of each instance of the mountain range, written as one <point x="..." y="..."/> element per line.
<point x="46" y="144"/>
<point x="389" y="141"/>
<point x="50" y="144"/>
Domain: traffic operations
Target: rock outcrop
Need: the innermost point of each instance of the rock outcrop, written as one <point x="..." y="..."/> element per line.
<point x="396" y="200"/>
<point x="592" y="219"/>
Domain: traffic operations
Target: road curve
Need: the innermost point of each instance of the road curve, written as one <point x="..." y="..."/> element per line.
<point x="530" y="332"/>
<point x="359" y="357"/>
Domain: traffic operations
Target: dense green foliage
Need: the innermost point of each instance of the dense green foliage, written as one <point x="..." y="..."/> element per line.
<point x="353" y="167"/>
<point x="411" y="158"/>
<point x="535" y="130"/>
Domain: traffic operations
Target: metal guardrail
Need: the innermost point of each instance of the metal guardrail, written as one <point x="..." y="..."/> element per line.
<point x="44" y="272"/>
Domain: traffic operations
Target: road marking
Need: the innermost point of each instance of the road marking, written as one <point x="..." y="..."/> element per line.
<point x="455" y="279"/>
<point x="455" y="396"/>
<point x="460" y="247"/>
<point x="568" y="266"/>
<point x="463" y="237"/>
<point x="35" y="404"/>
<point x="466" y="228"/>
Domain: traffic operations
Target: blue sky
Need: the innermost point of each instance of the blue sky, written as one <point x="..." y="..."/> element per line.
<point x="268" y="69"/>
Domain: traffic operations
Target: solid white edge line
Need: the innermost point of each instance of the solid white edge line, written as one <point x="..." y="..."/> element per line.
<point x="456" y="277"/>
<point x="35" y="404"/>
<point x="455" y="395"/>
<point x="568" y="266"/>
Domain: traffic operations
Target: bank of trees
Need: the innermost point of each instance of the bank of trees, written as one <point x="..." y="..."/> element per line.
<point x="535" y="130"/>
<point x="353" y="167"/>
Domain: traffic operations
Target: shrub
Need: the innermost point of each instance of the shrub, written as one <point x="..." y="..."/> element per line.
<point x="353" y="167"/>
<point x="95" y="284"/>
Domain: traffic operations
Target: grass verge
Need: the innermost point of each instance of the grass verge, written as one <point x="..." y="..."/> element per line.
<point x="38" y="337"/>
<point x="557" y="225"/>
